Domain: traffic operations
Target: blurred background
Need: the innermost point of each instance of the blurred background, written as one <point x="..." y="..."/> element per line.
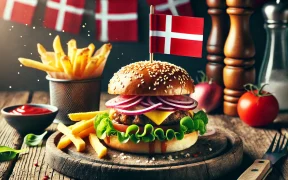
<point x="20" y="40"/>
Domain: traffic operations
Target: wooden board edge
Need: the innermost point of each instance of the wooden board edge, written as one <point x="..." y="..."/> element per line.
<point x="57" y="159"/>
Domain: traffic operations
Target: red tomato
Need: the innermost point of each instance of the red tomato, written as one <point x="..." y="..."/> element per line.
<point x="257" y="110"/>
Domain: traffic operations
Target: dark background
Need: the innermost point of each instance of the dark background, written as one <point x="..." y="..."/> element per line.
<point x="13" y="46"/>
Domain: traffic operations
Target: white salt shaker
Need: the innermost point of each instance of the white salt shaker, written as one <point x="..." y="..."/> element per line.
<point x="274" y="70"/>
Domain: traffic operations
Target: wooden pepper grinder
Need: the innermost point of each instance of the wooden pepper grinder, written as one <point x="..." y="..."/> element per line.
<point x="216" y="41"/>
<point x="239" y="51"/>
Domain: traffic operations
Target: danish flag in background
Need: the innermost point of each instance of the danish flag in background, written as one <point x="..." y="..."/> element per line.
<point x="64" y="15"/>
<point x="178" y="35"/>
<point x="20" y="11"/>
<point x="172" y="7"/>
<point x="116" y="20"/>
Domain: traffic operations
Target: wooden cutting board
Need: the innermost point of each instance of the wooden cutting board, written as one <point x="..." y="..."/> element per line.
<point x="211" y="157"/>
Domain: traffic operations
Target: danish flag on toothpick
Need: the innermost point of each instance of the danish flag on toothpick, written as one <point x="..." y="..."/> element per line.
<point x="20" y="11"/>
<point x="64" y="15"/>
<point x="178" y="35"/>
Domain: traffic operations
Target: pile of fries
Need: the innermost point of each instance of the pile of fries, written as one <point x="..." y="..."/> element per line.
<point x="77" y="64"/>
<point x="82" y="129"/>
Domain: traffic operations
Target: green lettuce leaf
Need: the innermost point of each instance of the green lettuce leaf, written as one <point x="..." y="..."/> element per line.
<point x="104" y="127"/>
<point x="201" y="115"/>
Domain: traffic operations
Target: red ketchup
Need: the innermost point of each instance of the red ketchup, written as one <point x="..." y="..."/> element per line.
<point x="29" y="110"/>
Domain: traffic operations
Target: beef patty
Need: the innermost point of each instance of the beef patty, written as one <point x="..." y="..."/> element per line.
<point x="174" y="118"/>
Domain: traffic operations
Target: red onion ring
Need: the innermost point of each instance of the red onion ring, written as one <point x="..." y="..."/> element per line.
<point x="119" y="100"/>
<point x="178" y="106"/>
<point x="126" y="106"/>
<point x="140" y="111"/>
<point x="173" y="99"/>
<point x="145" y="103"/>
<point x="165" y="108"/>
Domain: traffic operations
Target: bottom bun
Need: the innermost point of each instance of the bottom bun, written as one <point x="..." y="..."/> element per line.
<point x="153" y="147"/>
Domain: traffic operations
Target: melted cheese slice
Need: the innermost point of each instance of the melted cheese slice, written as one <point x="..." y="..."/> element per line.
<point x="158" y="116"/>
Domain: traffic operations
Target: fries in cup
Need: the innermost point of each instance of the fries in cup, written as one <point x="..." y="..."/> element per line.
<point x="79" y="63"/>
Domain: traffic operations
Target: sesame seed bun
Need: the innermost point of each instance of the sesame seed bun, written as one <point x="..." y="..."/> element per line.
<point x="143" y="147"/>
<point x="151" y="79"/>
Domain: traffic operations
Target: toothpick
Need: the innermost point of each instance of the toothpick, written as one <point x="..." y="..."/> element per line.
<point x="151" y="12"/>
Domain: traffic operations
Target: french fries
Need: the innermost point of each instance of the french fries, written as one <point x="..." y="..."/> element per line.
<point x="66" y="64"/>
<point x="77" y="141"/>
<point x="92" y="65"/>
<point x="37" y="65"/>
<point x="81" y="127"/>
<point x="91" y="48"/>
<point x="84" y="63"/>
<point x="84" y="115"/>
<point x="65" y="141"/>
<point x="100" y="149"/>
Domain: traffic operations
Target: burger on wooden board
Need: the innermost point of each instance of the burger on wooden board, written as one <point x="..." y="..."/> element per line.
<point x="152" y="112"/>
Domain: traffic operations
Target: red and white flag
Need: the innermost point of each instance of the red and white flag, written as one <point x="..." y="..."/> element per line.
<point x="20" y="11"/>
<point x="64" y="15"/>
<point x="172" y="7"/>
<point x="178" y="35"/>
<point x="116" y="20"/>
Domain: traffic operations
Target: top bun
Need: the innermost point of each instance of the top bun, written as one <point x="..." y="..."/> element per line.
<point x="151" y="79"/>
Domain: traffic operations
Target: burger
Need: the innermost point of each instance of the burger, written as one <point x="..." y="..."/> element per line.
<point x="152" y="112"/>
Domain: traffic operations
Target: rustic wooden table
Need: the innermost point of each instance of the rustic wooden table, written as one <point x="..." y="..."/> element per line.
<point x="256" y="141"/>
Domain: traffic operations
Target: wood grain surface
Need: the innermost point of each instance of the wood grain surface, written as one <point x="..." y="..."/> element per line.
<point x="256" y="141"/>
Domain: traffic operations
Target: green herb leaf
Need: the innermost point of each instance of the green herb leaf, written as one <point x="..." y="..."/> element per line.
<point x="33" y="139"/>
<point x="7" y="153"/>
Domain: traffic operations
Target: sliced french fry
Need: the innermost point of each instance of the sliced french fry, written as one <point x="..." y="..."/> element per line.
<point x="65" y="141"/>
<point x="73" y="55"/>
<point x="58" y="60"/>
<point x="84" y="60"/>
<point x="46" y="59"/>
<point x="84" y="115"/>
<point x="37" y="65"/>
<point x="100" y="60"/>
<point x="58" y="51"/>
<point x="100" y="149"/>
<point x="91" y="48"/>
<point x="66" y="64"/>
<point x="72" y="48"/>
<point x="104" y="50"/>
<point x="91" y="66"/>
<point x="57" y="45"/>
<point x="77" y="141"/>
<point x="77" y="64"/>
<point x="78" y="128"/>
<point x="41" y="50"/>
